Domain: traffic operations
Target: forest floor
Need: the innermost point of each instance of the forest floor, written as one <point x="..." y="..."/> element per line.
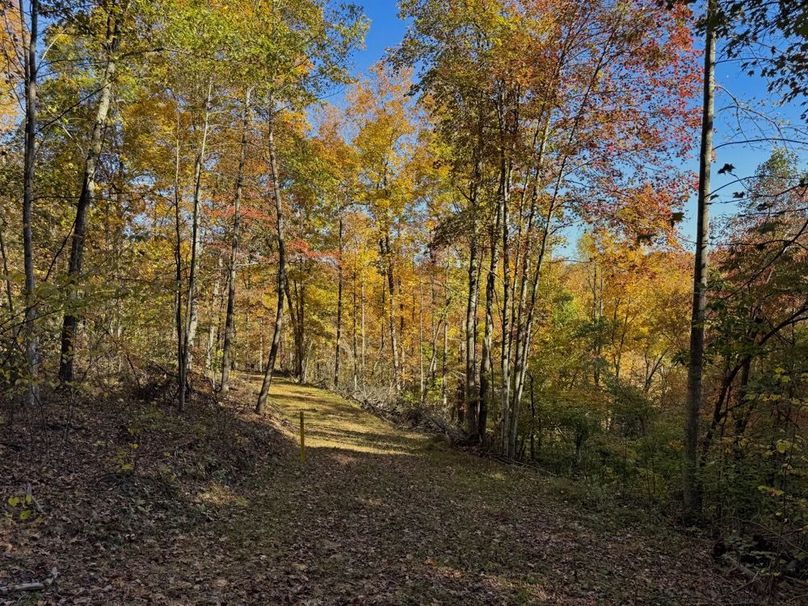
<point x="213" y="506"/>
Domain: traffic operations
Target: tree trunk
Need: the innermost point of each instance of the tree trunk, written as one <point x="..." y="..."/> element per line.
<point x="500" y="227"/>
<point x="6" y="280"/>
<point x="180" y="331"/>
<point x="230" y="314"/>
<point x="444" y="394"/>
<point x="31" y="72"/>
<point x="422" y="385"/>
<point x="339" y="302"/>
<point x="471" y="390"/>
<point x="281" y="284"/>
<point x="364" y="335"/>
<point x="387" y="255"/>
<point x="506" y="288"/>
<point x="88" y="186"/>
<point x="486" y="368"/>
<point x="215" y="314"/>
<point x="196" y="245"/>
<point x="354" y="344"/>
<point x="690" y="484"/>
<point x="522" y="305"/>
<point x="296" y="311"/>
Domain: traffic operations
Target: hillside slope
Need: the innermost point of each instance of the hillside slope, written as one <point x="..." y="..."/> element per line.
<point x="215" y="507"/>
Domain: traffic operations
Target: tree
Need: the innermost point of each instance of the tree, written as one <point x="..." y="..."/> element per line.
<point x="698" y="312"/>
<point x="311" y="54"/>
<point x="521" y="97"/>
<point x="114" y="13"/>
<point x="30" y="83"/>
<point x="230" y="313"/>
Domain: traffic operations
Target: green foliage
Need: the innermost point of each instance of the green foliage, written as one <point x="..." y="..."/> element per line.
<point x="22" y="507"/>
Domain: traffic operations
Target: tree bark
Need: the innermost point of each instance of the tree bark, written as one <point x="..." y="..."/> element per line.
<point x="215" y="315"/>
<point x="422" y="377"/>
<point x="296" y="315"/>
<point x="354" y="344"/>
<point x="339" y="301"/>
<point x="180" y="331"/>
<point x="471" y="389"/>
<point x="86" y="196"/>
<point x="196" y="245"/>
<point x="444" y="393"/>
<point x="690" y="484"/>
<point x="6" y="280"/>
<point x="477" y="432"/>
<point x="364" y="334"/>
<point x="281" y="283"/>
<point x="387" y="254"/>
<point x="31" y="72"/>
<point x="230" y="313"/>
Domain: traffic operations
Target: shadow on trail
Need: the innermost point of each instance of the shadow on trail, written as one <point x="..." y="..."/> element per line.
<point x="381" y="515"/>
<point x="219" y="509"/>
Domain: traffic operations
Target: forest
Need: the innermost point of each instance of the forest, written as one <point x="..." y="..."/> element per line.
<point x="428" y="301"/>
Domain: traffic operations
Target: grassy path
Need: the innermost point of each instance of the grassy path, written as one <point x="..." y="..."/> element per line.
<point x="384" y="516"/>
<point x="143" y="505"/>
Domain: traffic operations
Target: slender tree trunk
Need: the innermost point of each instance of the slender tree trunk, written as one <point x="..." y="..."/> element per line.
<point x="215" y="311"/>
<point x="354" y="343"/>
<point x="522" y="306"/>
<point x="422" y="387"/>
<point x="387" y="255"/>
<point x="86" y="196"/>
<point x="230" y="313"/>
<point x="509" y="127"/>
<point x="178" y="251"/>
<point x="364" y="334"/>
<point x="196" y="245"/>
<point x="296" y="309"/>
<point x="471" y="389"/>
<point x="524" y="329"/>
<point x="339" y="302"/>
<point x="31" y="72"/>
<point x="444" y="393"/>
<point x="597" y="317"/>
<point x="434" y="325"/>
<point x="500" y="227"/>
<point x="486" y="368"/>
<point x="690" y="484"/>
<point x="281" y="284"/>
<point x="6" y="280"/>
<point x="471" y="392"/>
<point x="506" y="286"/>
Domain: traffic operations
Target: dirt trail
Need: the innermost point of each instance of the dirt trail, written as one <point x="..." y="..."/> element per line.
<point x="379" y="515"/>
<point x="145" y="505"/>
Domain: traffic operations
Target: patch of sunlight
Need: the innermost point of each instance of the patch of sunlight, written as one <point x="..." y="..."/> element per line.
<point x="371" y="502"/>
<point x="334" y="422"/>
<point x="353" y="447"/>
<point x="529" y="593"/>
<point x="446" y="572"/>
<point x="343" y="459"/>
<point x="496" y="475"/>
<point x="219" y="495"/>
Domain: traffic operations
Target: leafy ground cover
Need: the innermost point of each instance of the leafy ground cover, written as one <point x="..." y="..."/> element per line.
<point x="133" y="503"/>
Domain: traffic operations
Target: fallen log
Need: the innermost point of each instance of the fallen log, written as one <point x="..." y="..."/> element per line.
<point x="35" y="586"/>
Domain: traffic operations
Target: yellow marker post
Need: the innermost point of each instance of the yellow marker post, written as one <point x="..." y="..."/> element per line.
<point x="302" y="439"/>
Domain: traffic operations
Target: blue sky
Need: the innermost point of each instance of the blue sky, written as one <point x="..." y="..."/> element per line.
<point x="386" y="31"/>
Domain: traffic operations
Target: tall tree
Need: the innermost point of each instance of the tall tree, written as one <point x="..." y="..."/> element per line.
<point x="699" y="308"/>
<point x="30" y="83"/>
<point x="308" y="49"/>
<point x="230" y="313"/>
<point x="115" y="15"/>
